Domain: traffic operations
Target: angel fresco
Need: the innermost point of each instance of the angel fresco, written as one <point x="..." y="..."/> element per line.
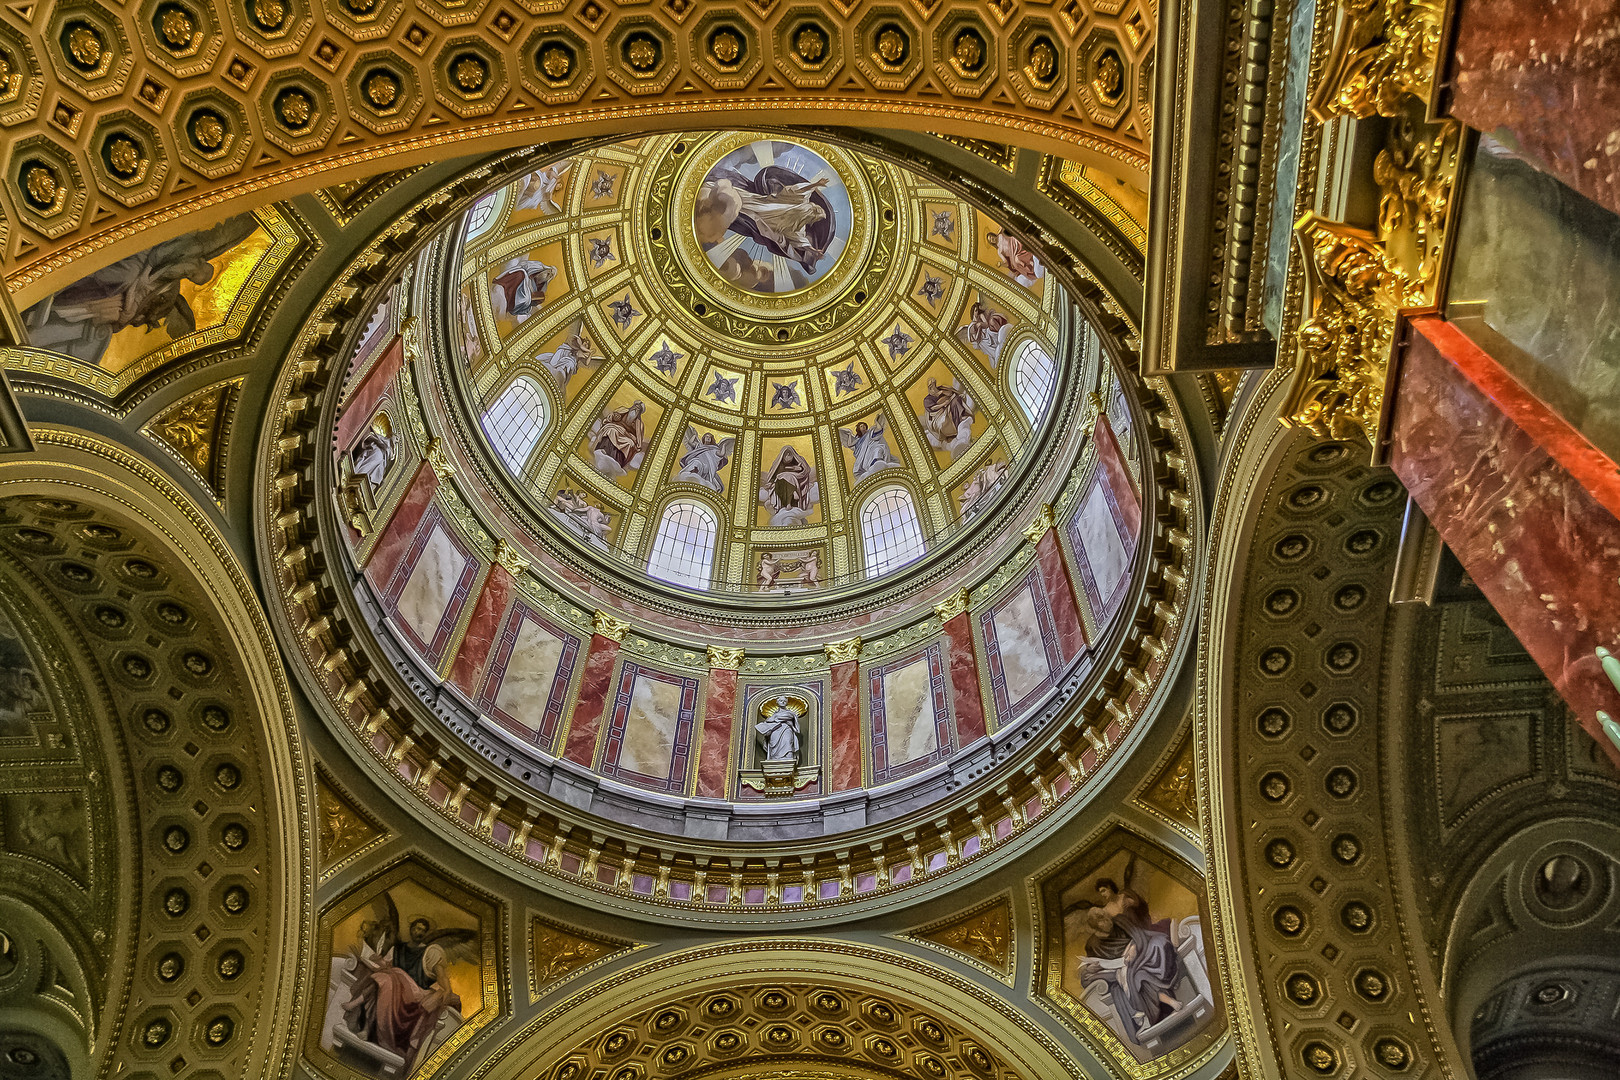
<point x="141" y="290"/>
<point x="789" y="490"/>
<point x="520" y="288"/>
<point x="704" y="458"/>
<point x="986" y="330"/>
<point x="575" y="509"/>
<point x="400" y="1004"/>
<point x="574" y="353"/>
<point x="618" y="439"/>
<point x="472" y="342"/>
<point x="538" y="190"/>
<point x="769" y="213"/>
<point x="1144" y="975"/>
<point x="947" y="417"/>
<point x="976" y="492"/>
<point x="871" y="446"/>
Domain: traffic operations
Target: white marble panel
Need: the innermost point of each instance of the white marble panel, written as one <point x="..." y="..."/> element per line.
<point x="649" y="728"/>
<point x="1099" y="536"/>
<point x="1018" y="640"/>
<point x="526" y="685"/>
<point x="908" y="713"/>
<point x="428" y="590"/>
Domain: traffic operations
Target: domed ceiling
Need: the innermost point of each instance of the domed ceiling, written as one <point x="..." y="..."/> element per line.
<point x="622" y="468"/>
<point x="746" y="362"/>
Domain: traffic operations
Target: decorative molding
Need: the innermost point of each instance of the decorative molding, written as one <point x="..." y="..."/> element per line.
<point x="605" y="625"/>
<point x="983" y="937"/>
<point x="725" y="657"/>
<point x="842" y="652"/>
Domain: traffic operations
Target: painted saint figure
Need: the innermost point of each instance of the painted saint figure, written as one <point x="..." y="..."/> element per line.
<point x="1016" y="259"/>
<point x="400" y="997"/>
<point x="871" y="446"/>
<point x="778" y="731"/>
<point x="1131" y="955"/>
<point x="782" y="211"/>
<point x="617" y="439"/>
<point x="789" y="489"/>
<point x="520" y="288"/>
<point x="976" y="492"/>
<point x="986" y="330"/>
<point x="139" y="290"/>
<point x="704" y="458"/>
<point x="948" y="418"/>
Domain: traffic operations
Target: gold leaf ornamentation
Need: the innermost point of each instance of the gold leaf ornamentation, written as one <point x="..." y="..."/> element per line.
<point x="839" y="652"/>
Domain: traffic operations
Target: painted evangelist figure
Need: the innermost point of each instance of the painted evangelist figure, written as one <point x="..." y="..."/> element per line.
<point x="618" y="439"/>
<point x="1133" y="954"/>
<point x="870" y="444"/>
<point x="947" y="417"/>
<point x="704" y="458"/>
<point x="772" y="216"/>
<point x="788" y="489"/>
<point x="393" y="998"/>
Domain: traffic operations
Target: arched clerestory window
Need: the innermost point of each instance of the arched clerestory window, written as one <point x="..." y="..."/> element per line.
<point x="683" y="547"/>
<point x="891" y="535"/>
<point x="1033" y="377"/>
<point x="516" y="420"/>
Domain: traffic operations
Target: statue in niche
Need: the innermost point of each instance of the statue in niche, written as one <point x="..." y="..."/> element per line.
<point x="778" y="730"/>
<point x="374" y="451"/>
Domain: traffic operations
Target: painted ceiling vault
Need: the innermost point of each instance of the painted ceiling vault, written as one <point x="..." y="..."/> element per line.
<point x="675" y="540"/>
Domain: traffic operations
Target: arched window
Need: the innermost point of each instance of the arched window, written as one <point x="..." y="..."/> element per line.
<point x="683" y="548"/>
<point x="514" y="422"/>
<point x="1033" y="375"/>
<point x="891" y="535"/>
<point x="482" y="214"/>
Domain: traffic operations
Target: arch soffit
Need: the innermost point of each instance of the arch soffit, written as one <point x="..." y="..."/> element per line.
<point x="101" y="476"/>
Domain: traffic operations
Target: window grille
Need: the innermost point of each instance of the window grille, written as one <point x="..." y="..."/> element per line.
<point x="683" y="548"/>
<point x="515" y="422"/>
<point x="1034" y="376"/>
<point x="891" y="535"/>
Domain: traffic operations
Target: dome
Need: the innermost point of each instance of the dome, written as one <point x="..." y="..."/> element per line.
<point x="738" y="363"/>
<point x="743" y="487"/>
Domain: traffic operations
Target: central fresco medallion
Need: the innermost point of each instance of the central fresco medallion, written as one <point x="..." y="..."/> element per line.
<point x="772" y="217"/>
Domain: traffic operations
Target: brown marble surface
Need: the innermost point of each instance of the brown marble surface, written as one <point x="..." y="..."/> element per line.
<point x="357" y="411"/>
<point x="594" y="688"/>
<point x="482" y="629"/>
<point x="844" y="728"/>
<point x="714" y="751"/>
<point x="1546" y="78"/>
<point x="1529" y="507"/>
<point x="401" y="528"/>
<point x="1071" y="634"/>
<point x="966" y="700"/>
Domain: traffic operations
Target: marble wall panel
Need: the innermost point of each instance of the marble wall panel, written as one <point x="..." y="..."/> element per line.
<point x="1104" y="528"/>
<point x="1021" y="647"/>
<point x="595" y="685"/>
<point x="526" y="688"/>
<point x="910" y="714"/>
<point x="358" y="410"/>
<point x="844" y="752"/>
<point x="483" y="629"/>
<point x="649" y="736"/>
<point x="1529" y="507"/>
<point x="1548" y="77"/>
<point x="401" y="527"/>
<point x="430" y="586"/>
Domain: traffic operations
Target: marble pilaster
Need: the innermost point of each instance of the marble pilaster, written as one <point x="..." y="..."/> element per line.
<point x="595" y="687"/>
<point x="482" y="630"/>
<point x="714" y="751"/>
<point x="844" y="726"/>
<point x="966" y="700"/>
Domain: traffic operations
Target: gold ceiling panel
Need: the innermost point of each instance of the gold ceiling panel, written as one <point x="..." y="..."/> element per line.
<point x="119" y="123"/>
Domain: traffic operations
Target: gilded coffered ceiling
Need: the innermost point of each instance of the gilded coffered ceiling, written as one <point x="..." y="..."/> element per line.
<point x="122" y="121"/>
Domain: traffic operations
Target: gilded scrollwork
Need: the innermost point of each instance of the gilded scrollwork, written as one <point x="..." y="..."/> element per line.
<point x="1384" y="50"/>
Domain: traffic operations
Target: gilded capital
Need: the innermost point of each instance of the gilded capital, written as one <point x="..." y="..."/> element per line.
<point x="840" y="652"/>
<point x="953" y="605"/>
<point x="1044" y="520"/>
<point x="436" y="458"/>
<point x="507" y="556"/>
<point x="609" y="627"/>
<point x="725" y="657"/>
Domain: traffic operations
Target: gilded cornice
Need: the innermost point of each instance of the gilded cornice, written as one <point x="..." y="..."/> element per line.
<point x="333" y="108"/>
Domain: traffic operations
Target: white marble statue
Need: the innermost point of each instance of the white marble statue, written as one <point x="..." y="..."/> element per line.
<point x="778" y="731"/>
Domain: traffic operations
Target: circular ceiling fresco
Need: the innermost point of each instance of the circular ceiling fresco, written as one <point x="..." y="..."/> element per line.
<point x="738" y="488"/>
<point x="738" y="363"/>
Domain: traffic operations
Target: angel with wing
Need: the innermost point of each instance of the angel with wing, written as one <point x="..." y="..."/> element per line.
<point x="400" y="998"/>
<point x="871" y="446"/>
<point x="539" y="188"/>
<point x="704" y="458"/>
<point x="1129" y="953"/>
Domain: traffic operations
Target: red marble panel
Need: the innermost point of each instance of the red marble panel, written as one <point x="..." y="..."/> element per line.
<point x="1529" y="507"/>
<point x="1112" y="460"/>
<point x="594" y="688"/>
<point x="964" y="668"/>
<point x="714" y="754"/>
<point x="482" y="629"/>
<point x="844" y="727"/>
<point x="401" y="528"/>
<point x="1071" y="633"/>
<point x="1550" y="75"/>
<point x="363" y="402"/>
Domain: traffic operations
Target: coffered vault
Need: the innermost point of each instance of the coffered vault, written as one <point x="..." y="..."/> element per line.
<point x="458" y="613"/>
